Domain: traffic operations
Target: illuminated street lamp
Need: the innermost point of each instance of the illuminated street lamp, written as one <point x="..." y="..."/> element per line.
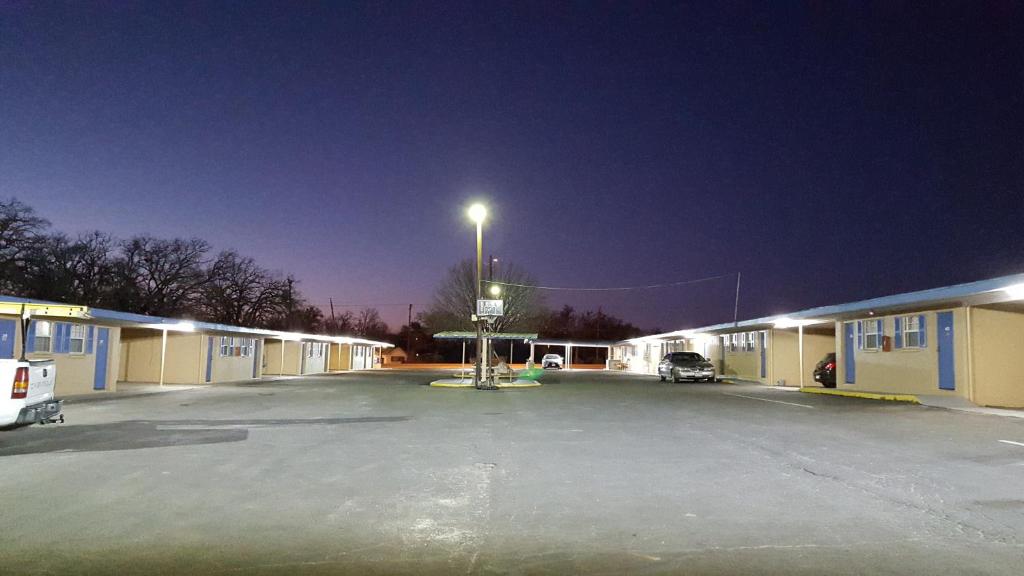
<point x="495" y="290"/>
<point x="478" y="213"/>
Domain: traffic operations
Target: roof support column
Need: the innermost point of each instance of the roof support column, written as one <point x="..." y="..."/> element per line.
<point x="800" y="348"/>
<point x="280" y="369"/>
<point x="163" y="354"/>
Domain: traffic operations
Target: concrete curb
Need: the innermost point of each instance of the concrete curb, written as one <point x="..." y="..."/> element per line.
<point x="442" y="384"/>
<point x="113" y="396"/>
<point x="910" y="398"/>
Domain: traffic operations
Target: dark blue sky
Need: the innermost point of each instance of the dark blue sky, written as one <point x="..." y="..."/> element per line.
<point x="827" y="152"/>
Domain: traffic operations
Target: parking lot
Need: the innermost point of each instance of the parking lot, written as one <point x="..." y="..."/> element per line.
<point x="594" y="472"/>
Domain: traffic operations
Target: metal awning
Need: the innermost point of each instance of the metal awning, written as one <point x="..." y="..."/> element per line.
<point x="467" y="335"/>
<point x="576" y="343"/>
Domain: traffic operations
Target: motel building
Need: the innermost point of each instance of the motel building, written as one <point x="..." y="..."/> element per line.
<point x="957" y="341"/>
<point x="96" y="349"/>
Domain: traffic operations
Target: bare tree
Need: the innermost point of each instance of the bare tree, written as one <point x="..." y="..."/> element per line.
<point x="160" y="277"/>
<point x="65" y="270"/>
<point x="21" y="231"/>
<point x="340" y="324"/>
<point x="240" y="292"/>
<point x="369" y="324"/>
<point x="455" y="300"/>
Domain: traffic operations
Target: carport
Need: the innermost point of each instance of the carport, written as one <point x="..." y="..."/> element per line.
<point x="570" y="345"/>
<point x="466" y="336"/>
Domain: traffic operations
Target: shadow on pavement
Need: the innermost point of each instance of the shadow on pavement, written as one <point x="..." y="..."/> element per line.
<point x="138" y="434"/>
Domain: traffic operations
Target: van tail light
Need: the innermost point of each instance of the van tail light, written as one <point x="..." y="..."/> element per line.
<point x="20" y="389"/>
<point x="830" y="366"/>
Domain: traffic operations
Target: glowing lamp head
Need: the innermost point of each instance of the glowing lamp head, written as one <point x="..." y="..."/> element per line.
<point x="495" y="290"/>
<point x="477" y="213"/>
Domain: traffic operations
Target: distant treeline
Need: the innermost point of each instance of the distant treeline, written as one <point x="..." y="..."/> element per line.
<point x="178" y="277"/>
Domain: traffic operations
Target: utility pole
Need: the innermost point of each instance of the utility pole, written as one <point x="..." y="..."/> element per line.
<point x="408" y="333"/>
<point x="490" y="268"/>
<point x="331" y="300"/>
<point x="736" y="308"/>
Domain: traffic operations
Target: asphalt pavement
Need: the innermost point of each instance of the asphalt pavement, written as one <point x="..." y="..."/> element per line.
<point x="592" y="473"/>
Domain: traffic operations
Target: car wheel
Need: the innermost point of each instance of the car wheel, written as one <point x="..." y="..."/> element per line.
<point x="662" y="378"/>
<point x="829" y="384"/>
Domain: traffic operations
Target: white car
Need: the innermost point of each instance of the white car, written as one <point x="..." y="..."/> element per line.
<point x="551" y="361"/>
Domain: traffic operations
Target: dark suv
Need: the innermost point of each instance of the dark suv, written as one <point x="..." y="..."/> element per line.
<point x="825" y="371"/>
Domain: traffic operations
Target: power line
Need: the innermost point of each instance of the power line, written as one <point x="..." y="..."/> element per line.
<point x="618" y="288"/>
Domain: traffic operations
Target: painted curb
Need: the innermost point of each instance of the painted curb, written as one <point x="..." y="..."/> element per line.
<point x="867" y="395"/>
<point x="470" y="385"/>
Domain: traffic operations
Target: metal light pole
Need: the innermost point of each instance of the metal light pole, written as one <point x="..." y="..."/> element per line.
<point x="477" y="212"/>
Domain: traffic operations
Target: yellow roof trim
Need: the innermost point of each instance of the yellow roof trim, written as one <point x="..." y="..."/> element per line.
<point x="49" y="310"/>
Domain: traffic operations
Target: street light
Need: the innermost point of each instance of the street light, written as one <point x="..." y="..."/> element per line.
<point x="495" y="290"/>
<point x="478" y="213"/>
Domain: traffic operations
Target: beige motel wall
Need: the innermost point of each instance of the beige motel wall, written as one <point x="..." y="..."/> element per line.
<point x="781" y="354"/>
<point x="997" y="345"/>
<point x="299" y="357"/>
<point x="76" y="372"/>
<point x="784" y="355"/>
<point x="907" y="370"/>
<point x="291" y="358"/>
<point x="340" y="357"/>
<point x="190" y="358"/>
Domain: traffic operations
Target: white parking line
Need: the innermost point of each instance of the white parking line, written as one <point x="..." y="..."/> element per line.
<point x="1012" y="442"/>
<point x="767" y="400"/>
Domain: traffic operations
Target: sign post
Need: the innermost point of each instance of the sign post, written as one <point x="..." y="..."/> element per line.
<point x="486" y="312"/>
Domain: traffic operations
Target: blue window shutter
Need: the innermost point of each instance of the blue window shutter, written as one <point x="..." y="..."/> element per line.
<point x="924" y="331"/>
<point x="898" y="332"/>
<point x="30" y="338"/>
<point x="88" y="339"/>
<point x="860" y="334"/>
<point x="65" y="341"/>
<point x="57" y="338"/>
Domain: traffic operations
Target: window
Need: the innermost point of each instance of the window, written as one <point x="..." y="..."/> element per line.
<point x="43" y="335"/>
<point x="751" y="341"/>
<point x="77" y="339"/>
<point x="872" y="334"/>
<point x="912" y="328"/>
<point x="734" y="342"/>
<point x="236" y="347"/>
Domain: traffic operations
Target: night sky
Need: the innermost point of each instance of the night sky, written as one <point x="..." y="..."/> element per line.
<point x="829" y="153"/>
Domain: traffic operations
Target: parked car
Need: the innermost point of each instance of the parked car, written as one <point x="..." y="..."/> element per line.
<point x="825" y="371"/>
<point x="551" y="361"/>
<point x="686" y="366"/>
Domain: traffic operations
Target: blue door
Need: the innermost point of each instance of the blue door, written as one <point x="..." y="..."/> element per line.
<point x="944" y="344"/>
<point x="99" y="381"/>
<point x="7" y="328"/>
<point x="849" y="362"/>
<point x="764" y="358"/>
<point x="209" y="359"/>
